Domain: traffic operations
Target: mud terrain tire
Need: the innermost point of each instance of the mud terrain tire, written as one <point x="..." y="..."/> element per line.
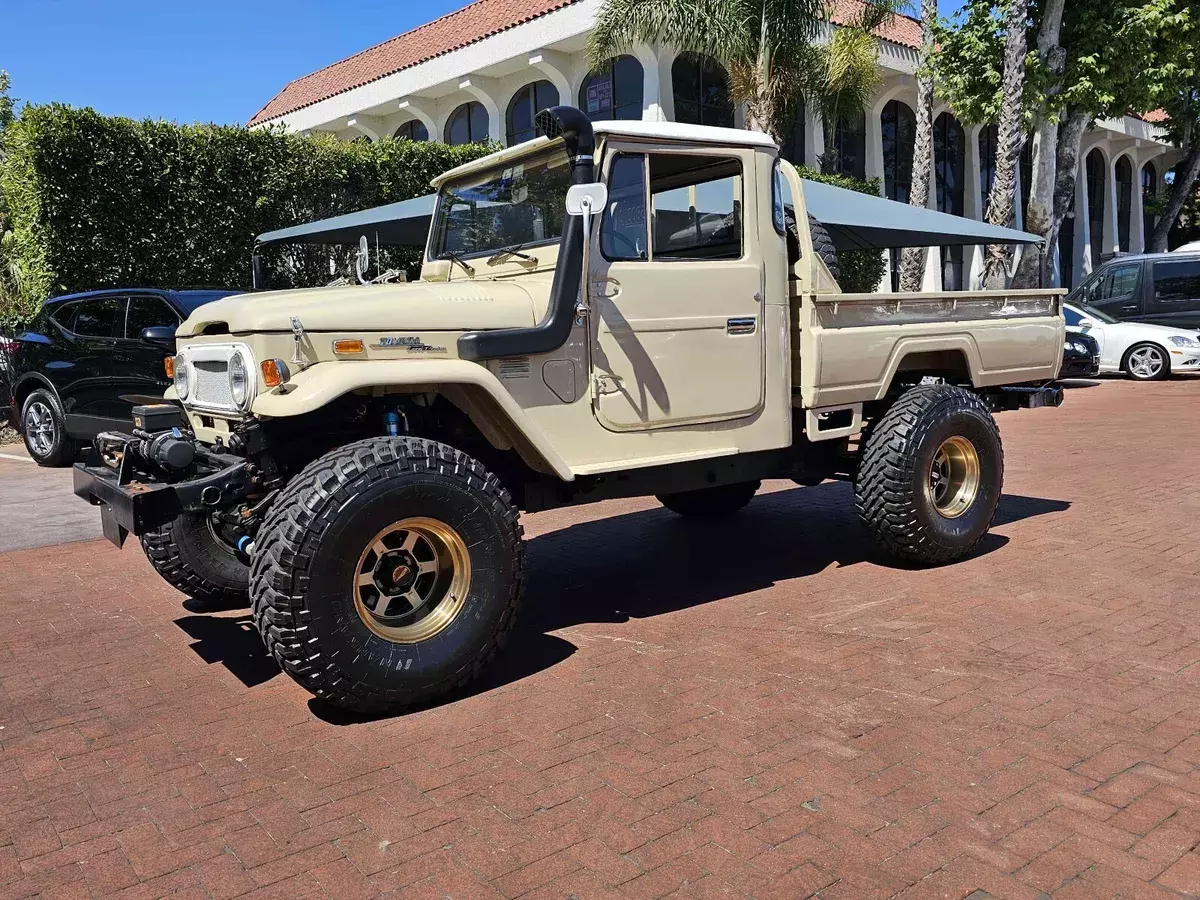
<point x="930" y="475"/>
<point x="191" y="559"/>
<point x="314" y="555"/>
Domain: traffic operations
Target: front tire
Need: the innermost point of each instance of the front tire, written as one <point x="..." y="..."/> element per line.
<point x="387" y="573"/>
<point x="45" y="431"/>
<point x="931" y="474"/>
<point x="713" y="502"/>
<point x="1147" y="362"/>
<point x="190" y="557"/>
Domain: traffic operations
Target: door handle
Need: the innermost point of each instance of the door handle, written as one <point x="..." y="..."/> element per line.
<point x="1130" y="307"/>
<point x="741" y="325"/>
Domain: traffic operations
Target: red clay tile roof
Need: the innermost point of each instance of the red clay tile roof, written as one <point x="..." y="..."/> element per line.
<point x="1154" y="117"/>
<point x="472" y="23"/>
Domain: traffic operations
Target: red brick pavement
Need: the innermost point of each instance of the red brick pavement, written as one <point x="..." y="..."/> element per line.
<point x="756" y="709"/>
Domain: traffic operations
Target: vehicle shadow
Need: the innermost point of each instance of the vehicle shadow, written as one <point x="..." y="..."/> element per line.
<point x="637" y="565"/>
<point x="1072" y="384"/>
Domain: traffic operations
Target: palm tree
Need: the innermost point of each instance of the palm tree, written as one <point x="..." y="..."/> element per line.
<point x="764" y="44"/>
<point x="912" y="263"/>
<point x="1002" y="199"/>
<point x="845" y="71"/>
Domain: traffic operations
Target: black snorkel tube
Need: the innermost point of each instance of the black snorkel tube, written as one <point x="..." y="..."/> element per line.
<point x="552" y="332"/>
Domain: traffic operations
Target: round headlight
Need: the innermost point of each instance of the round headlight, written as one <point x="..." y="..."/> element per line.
<point x="183" y="377"/>
<point x="239" y="380"/>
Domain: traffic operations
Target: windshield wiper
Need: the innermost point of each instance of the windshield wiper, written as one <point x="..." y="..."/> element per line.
<point x="454" y="257"/>
<point x="505" y="252"/>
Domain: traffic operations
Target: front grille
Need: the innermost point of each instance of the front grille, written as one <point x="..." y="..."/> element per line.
<point x="212" y="384"/>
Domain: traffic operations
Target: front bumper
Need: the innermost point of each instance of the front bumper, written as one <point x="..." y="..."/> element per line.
<point x="136" y="496"/>
<point x="1079" y="367"/>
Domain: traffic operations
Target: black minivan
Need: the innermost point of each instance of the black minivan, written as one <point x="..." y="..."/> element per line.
<point x="1157" y="288"/>
<point x="87" y="359"/>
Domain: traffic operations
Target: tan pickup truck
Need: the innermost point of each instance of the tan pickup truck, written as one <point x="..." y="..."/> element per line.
<point x="623" y="309"/>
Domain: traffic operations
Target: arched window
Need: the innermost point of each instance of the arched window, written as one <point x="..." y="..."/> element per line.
<point x="989" y="137"/>
<point x="950" y="164"/>
<point x="701" y="90"/>
<point x="1095" y="167"/>
<point x="412" y="130"/>
<point x="467" y="125"/>
<point x="614" y="92"/>
<point x="525" y="104"/>
<point x="793" y="140"/>
<point x="1149" y="192"/>
<point x="1124" y="175"/>
<point x="850" y="145"/>
<point x="899" y="127"/>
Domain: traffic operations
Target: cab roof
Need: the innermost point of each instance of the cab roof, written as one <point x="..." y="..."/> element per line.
<point x="631" y="128"/>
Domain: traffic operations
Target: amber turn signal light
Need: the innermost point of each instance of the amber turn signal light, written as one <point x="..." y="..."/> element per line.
<point x="169" y="367"/>
<point x="274" y="372"/>
<point x="348" y="346"/>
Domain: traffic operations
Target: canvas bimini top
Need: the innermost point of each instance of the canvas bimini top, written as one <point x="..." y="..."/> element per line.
<point x="854" y="221"/>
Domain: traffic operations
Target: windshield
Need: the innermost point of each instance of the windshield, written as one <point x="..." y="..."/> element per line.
<point x="1100" y="314"/>
<point x="519" y="205"/>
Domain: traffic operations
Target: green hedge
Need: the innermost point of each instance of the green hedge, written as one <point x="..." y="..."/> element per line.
<point x="862" y="270"/>
<point x="94" y="201"/>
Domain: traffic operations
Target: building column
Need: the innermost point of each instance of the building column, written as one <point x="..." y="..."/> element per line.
<point x="484" y="90"/>
<point x="1111" y="241"/>
<point x="557" y="68"/>
<point x="1137" y="213"/>
<point x="424" y="114"/>
<point x="653" y="83"/>
<point x="1084" y="210"/>
<point x="973" y="206"/>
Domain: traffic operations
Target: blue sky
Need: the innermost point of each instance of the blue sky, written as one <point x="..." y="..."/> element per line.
<point x="215" y="60"/>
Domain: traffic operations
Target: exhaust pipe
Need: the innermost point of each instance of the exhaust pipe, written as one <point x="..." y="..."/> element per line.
<point x="575" y="129"/>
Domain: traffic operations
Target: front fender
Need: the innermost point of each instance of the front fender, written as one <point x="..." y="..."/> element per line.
<point x="324" y="382"/>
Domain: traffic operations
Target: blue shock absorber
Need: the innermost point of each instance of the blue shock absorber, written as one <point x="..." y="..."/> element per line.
<point x="391" y="423"/>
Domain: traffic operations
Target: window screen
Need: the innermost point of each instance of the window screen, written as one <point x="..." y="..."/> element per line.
<point x="696" y="207"/>
<point x="98" y="318"/>
<point x="147" y="312"/>
<point x="623" y="232"/>
<point x="1177" y="285"/>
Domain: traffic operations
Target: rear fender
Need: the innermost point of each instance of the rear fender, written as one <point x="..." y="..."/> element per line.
<point x="468" y="385"/>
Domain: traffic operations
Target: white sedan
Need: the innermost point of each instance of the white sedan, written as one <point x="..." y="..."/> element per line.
<point x="1142" y="351"/>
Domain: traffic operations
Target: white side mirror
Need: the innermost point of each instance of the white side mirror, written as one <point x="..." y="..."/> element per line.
<point x="586" y="199"/>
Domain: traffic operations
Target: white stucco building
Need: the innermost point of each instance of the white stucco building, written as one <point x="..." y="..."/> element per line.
<point x="482" y="71"/>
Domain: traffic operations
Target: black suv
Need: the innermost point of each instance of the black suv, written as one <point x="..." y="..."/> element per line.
<point x="87" y="359"/>
<point x="1158" y="288"/>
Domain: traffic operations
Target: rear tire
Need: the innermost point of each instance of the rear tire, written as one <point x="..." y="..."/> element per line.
<point x="194" y="561"/>
<point x="45" y="430"/>
<point x="411" y="524"/>
<point x="931" y="474"/>
<point x="713" y="502"/>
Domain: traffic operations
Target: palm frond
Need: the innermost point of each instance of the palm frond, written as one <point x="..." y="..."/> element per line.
<point x="721" y="29"/>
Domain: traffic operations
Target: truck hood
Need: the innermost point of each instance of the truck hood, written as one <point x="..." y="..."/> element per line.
<point x="419" y="306"/>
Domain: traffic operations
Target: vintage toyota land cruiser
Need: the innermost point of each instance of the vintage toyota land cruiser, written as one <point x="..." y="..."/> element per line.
<point x="623" y="309"/>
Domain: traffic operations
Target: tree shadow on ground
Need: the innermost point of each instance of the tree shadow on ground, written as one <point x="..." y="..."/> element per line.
<point x="638" y="565"/>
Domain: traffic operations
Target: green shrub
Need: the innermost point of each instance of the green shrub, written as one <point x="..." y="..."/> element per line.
<point x="94" y="201"/>
<point x="862" y="270"/>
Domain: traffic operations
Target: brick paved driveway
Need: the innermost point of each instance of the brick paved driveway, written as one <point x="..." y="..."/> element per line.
<point x="761" y="709"/>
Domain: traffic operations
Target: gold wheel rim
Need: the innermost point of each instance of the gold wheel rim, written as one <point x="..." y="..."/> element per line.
<point x="412" y="580"/>
<point x="953" y="482"/>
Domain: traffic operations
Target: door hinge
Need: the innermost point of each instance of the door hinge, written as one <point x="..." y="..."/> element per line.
<point x="607" y="384"/>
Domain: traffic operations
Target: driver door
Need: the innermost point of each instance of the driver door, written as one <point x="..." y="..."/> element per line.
<point x="677" y="293"/>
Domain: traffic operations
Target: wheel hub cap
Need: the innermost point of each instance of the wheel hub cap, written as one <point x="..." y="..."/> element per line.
<point x="953" y="482"/>
<point x="1146" y="362"/>
<point x="412" y="580"/>
<point x="39" y="427"/>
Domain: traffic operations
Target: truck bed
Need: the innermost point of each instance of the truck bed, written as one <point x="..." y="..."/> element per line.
<point x="852" y="345"/>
